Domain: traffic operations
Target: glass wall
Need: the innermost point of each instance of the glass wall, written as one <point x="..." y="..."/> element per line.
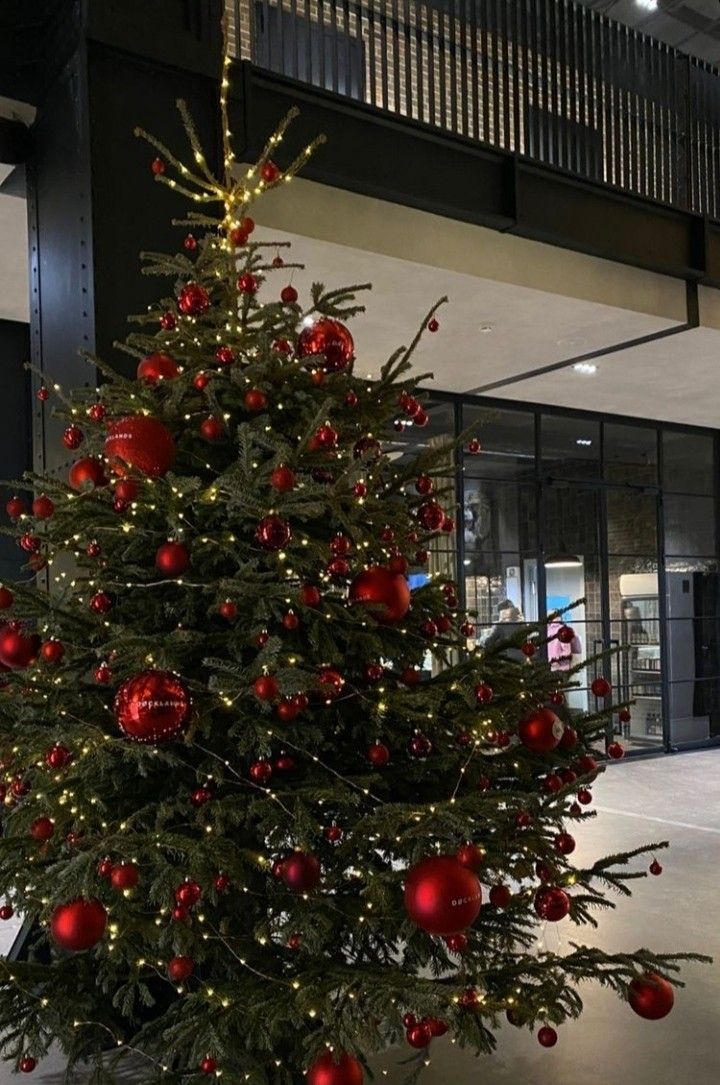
<point x="615" y="516"/>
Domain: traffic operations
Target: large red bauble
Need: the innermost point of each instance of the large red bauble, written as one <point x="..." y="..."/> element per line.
<point x="18" y="649"/>
<point x="86" y="473"/>
<point x="329" y="338"/>
<point x="335" y="1068"/>
<point x="157" y="366"/>
<point x="541" y="731"/>
<point x="154" y="706"/>
<point x="387" y="593"/>
<point x="442" y="896"/>
<point x="193" y="300"/>
<point x="651" y="996"/>
<point x="172" y="558"/>
<point x="300" y="871"/>
<point x="273" y="532"/>
<point x="431" y="516"/>
<point x="142" y="443"/>
<point x="79" y="924"/>
<point x="552" y="903"/>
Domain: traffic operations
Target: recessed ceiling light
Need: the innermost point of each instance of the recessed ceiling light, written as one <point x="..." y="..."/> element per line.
<point x="586" y="368"/>
<point x="585" y="441"/>
<point x="485" y="328"/>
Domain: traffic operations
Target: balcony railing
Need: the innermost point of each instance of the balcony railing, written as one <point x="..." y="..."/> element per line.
<point x="548" y="79"/>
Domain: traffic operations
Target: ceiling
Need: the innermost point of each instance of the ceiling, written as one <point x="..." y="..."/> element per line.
<point x="690" y="25"/>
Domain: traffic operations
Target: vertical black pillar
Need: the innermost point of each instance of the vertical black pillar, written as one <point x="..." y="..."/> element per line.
<point x="92" y="203"/>
<point x="15" y="428"/>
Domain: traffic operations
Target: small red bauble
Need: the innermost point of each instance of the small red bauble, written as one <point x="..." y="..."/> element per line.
<point x="208" y="1065"/>
<point x="557" y="698"/>
<point x="6" y="912"/>
<point x="333" y="834"/>
<point x="248" y="283"/>
<point x="273" y="533"/>
<point x="124" y="876"/>
<point x="168" y="322"/>
<point x="288" y="709"/>
<point x="378" y="754"/>
<point x="420" y="746"/>
<point x="310" y="595"/>
<point x="564" y="844"/>
<point x="568" y="776"/>
<point x="338" y="568"/>
<point x="126" y="491"/>
<point x="410" y="677"/>
<point x="547" y="1036"/>
<point x="600" y="686"/>
<point x="200" y="381"/>
<point x="553" y="783"/>
<point x="351" y="399"/>
<point x="290" y="620"/>
<point x="523" y="819"/>
<point x="282" y="346"/>
<point x="566" y="634"/>
<point x="366" y="448"/>
<point x="221" y="883"/>
<point x="200" y="796"/>
<point x="42" y="394"/>
<point x="6" y="598"/>
<point x="543" y="871"/>
<point x="429" y="628"/>
<point x="211" y="428"/>
<point x="228" y="610"/>
<point x="616" y="751"/>
<point x="79" y="924"/>
<point x="541" y="731"/>
<point x="335" y="1068"/>
<point x="153" y="706"/>
<point x="285" y="762"/>
<point x="86" y="473"/>
<point x="255" y="400"/>
<point x="157" y="166"/>
<point x="30" y="543"/>
<point x="433" y="325"/>
<point x="331" y="682"/>
<point x="42" y="829"/>
<point x="100" y="602"/>
<point x="179" y="914"/>
<point x="103" y="674"/>
<point x="190" y="243"/>
<point x="584" y="797"/>
<point x="419" y="1035"/>
<point x="288" y="295"/>
<point x="329" y="338"/>
<point x="180" y="968"/>
<point x="73" y="437"/>
<point x="238" y="237"/>
<point x="341" y="545"/>
<point x="140" y="442"/>
<point x="500" y="896"/>
<point x="283" y="479"/>
<point x="473" y="446"/>
<point x="431" y="516"/>
<point x="27" y="1064"/>
<point x="457" y="943"/>
<point x="17" y="649"/>
<point x="15" y="508"/>
<point x="424" y="485"/>
<point x="19" y="787"/>
<point x="52" y="651"/>
<point x="58" y="757"/>
<point x="300" y="871"/>
<point x="552" y="903"/>
<point x="156" y="367"/>
<point x="373" y="672"/>
<point x="269" y="172"/>
<point x="260" y="771"/>
<point x="193" y="300"/>
<point x="470" y="856"/>
<point x="569" y="738"/>
<point x="246" y="224"/>
<point x="483" y="693"/>
<point x="224" y="356"/>
<point x="386" y="593"/>
<point x="172" y="558"/>
<point x="266" y="688"/>
<point x="468" y="999"/>
<point x="528" y="649"/>
<point x="360" y="489"/>
<point x="441" y="896"/>
<point x="436" y="1025"/>
<point x="326" y="436"/>
<point x="651" y="996"/>
<point x="188" y="893"/>
<point x="655" y="868"/>
<point x="587" y="765"/>
<point x="624" y="715"/>
<point x="43" y="507"/>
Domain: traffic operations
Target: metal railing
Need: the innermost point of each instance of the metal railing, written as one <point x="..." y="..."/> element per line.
<point x="548" y="79"/>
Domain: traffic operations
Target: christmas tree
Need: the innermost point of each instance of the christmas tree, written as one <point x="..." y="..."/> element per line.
<point x="255" y="836"/>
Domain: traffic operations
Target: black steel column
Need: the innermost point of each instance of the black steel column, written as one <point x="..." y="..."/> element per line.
<point x="15" y="428"/>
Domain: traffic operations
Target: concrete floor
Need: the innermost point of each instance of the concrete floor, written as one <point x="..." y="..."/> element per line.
<point x="675" y="798"/>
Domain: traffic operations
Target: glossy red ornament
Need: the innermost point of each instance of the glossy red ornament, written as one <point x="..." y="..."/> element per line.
<point x="17" y="649"/>
<point x="500" y="896"/>
<point x="126" y="491"/>
<point x="566" y="634"/>
<point x="411" y="677"/>
<point x="142" y="443"/>
<point x="655" y="868"/>
<point x="103" y="674"/>
<point x="331" y="683"/>
<point x="333" y="834"/>
<point x="153" y="706"/>
<point x="42" y="829"/>
<point x="168" y="322"/>
<point x="282" y="346"/>
<point x="156" y="367"/>
<point x="180" y="968"/>
<point x="584" y="796"/>
<point x="100" y="602"/>
<point x="651" y="996"/>
<point x="27" y="1064"/>
<point x="157" y="166"/>
<point x="58" y="757"/>
<point x="547" y="1036"/>
<point x="431" y="516"/>
<point x="200" y="796"/>
<point x="42" y="394"/>
<point x="79" y="924"/>
<point x="484" y="693"/>
<point x="283" y="479"/>
<point x="228" y="610"/>
<point x="587" y="765"/>
<point x="360" y="489"/>
<point x="285" y="762"/>
<point x="373" y="672"/>
<point x="469" y="998"/>
<point x="179" y="914"/>
<point x="208" y="1065"/>
<point x="200" y="381"/>
<point x="87" y="473"/>
<point x="557" y="698"/>
<point x="424" y="485"/>
<point x="290" y="620"/>
<point x="260" y="771"/>
<point x="552" y="903"/>
<point x="193" y="300"/>
<point x="338" y="568"/>
<point x="330" y="339"/>
<point x="6" y="912"/>
<point x="616" y="751"/>
<point x="124" y="876"/>
<point x="52" y="651"/>
<point x="420" y="746"/>
<point x="470" y="856"/>
<point x="172" y="559"/>
<point x="211" y="428"/>
<point x="335" y="1068"/>
<point x="224" y="356"/>
<point x="310" y="595"/>
<point x="238" y="237"/>
<point x="221" y="883"/>
<point x="43" y="507"/>
<point x="429" y="628"/>
<point x="600" y="686"/>
<point x="352" y="399"/>
<point x="433" y="325"/>
<point x="273" y="533"/>
<point x="436" y="1025"/>
<point x="300" y="871"/>
<point x="73" y="437"/>
<point x="188" y="893"/>
<point x="569" y="738"/>
<point x="269" y="172"/>
<point x="266" y="688"/>
<point x="30" y="543"/>
<point x="457" y="943"/>
<point x="190" y="243"/>
<point x="288" y="295"/>
<point x="248" y="283"/>
<point x="15" y="508"/>
<point x="528" y="649"/>
<point x="523" y="819"/>
<point x="378" y="754"/>
<point x="385" y="594"/>
<point x="624" y="715"/>
<point x="419" y="1035"/>
<point x="326" y="436"/>
<point x="541" y="731"/>
<point x="441" y="896"/>
<point x="564" y="844"/>
<point x="366" y="448"/>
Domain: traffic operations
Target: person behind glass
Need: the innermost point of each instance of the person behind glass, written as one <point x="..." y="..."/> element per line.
<point x="509" y="620"/>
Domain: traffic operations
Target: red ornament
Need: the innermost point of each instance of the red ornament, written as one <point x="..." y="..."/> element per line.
<point x="200" y="796"/>
<point x="86" y="473"/>
<point x="470" y="856"/>
<point x="366" y="448"/>
<point x="126" y="491"/>
<point x="124" y="876"/>
<point x="224" y="356"/>
<point x="27" y="1064"/>
<point x="352" y="399"/>
<point x="282" y="346"/>
<point x="188" y="893"/>
<point x="103" y="674"/>
<point x="30" y="543"/>
<point x="168" y="322"/>
<point x="142" y="443"/>
<point x="373" y="672"/>
<point x="500" y="896"/>
<point x="208" y="1065"/>
<point x="42" y="829"/>
<point x="584" y="796"/>
<point x="431" y="516"/>
<point x="58" y="757"/>
<point x="283" y="479"/>
<point x="360" y="489"/>
<point x="655" y="868"/>
<point x="228" y="610"/>
<point x="212" y="429"/>
<point x="246" y="224"/>
<point x="329" y="338"/>
<point x="17" y="649"/>
<point x="42" y="394"/>
<point x="558" y="698"/>
<point x="541" y="731"/>
<point x="552" y="903"/>
<point x="335" y="1068"/>
<point x="157" y="367"/>
<point x="616" y="751"/>
<point x="569" y="737"/>
<point x="424" y="485"/>
<point x="436" y="1026"/>
<point x="301" y="872"/>
<point x="325" y="437"/>
<point x="285" y="762"/>
<point x="310" y="595"/>
<point x="190" y="243"/>
<point x="43" y="507"/>
<point x="528" y="649"/>
<point x="566" y="634"/>
<point x="420" y="746"/>
<point x="200" y="381"/>
<point x="386" y="593"/>
<point x="331" y="682"/>
<point x="651" y="996"/>
<point x="587" y="765"/>
<point x="52" y="651"/>
<point x="484" y="693"/>
<point x="378" y="754"/>
<point x="153" y="706"/>
<point x="441" y="896"/>
<point x="269" y="172"/>
<point x="221" y="883"/>
<point x="338" y="568"/>
<point x="79" y="924"/>
<point x="600" y="686"/>
<point x="157" y="166"/>
<point x="433" y="325"/>
<point x="333" y="834"/>
<point x="193" y="300"/>
<point x="419" y="1035"/>
<point x="547" y="1036"/>
<point x="73" y="437"/>
<point x="429" y="629"/>
<point x="468" y="999"/>
<point x="564" y="844"/>
<point x="290" y="620"/>
<point x="100" y="602"/>
<point x="457" y="943"/>
<point x="411" y="677"/>
<point x="624" y="715"/>
<point x="172" y="559"/>
<point x="6" y="912"/>
<point x="248" y="283"/>
<point x="553" y="783"/>
<point x="15" y="508"/>
<point x="266" y="688"/>
<point x="288" y="295"/>
<point x="180" y="968"/>
<point x="273" y="533"/>
<point x="261" y="771"/>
